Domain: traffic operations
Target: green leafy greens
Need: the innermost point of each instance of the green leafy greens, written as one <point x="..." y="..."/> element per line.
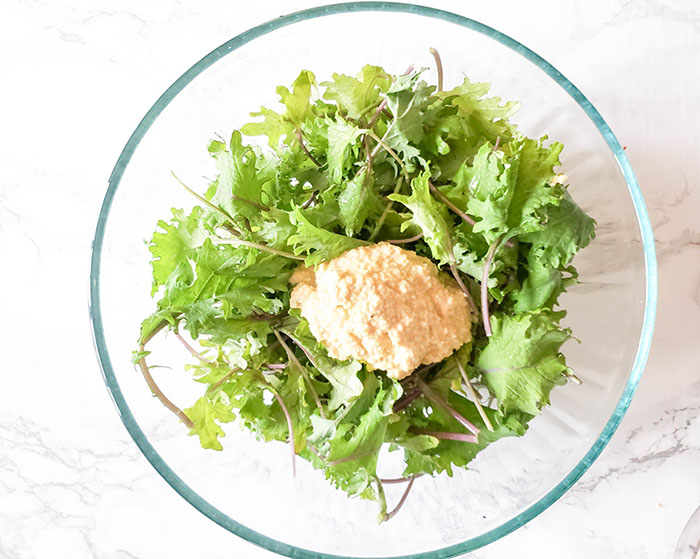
<point x="372" y="158"/>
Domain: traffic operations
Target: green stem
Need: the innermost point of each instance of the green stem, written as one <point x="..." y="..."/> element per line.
<point x="458" y="278"/>
<point x="203" y="200"/>
<point x="449" y="204"/>
<point x="162" y="324"/>
<point x="473" y="395"/>
<point x="368" y="159"/>
<point x="386" y="211"/>
<point x="264" y="248"/>
<point x="222" y="380"/>
<point x="302" y="370"/>
<point x="366" y="110"/>
<point x="234" y="197"/>
<point x="382" y="500"/>
<point x="390" y="151"/>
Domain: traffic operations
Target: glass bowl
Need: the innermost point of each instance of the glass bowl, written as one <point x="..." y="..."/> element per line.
<point x="247" y="488"/>
<point x="688" y="546"/>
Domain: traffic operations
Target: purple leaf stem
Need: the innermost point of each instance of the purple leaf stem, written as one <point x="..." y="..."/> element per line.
<point x="391" y="514"/>
<point x="464" y="437"/>
<point x="485" y="288"/>
<point x="431" y="395"/>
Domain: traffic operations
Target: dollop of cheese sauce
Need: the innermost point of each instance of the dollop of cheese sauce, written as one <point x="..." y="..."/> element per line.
<point x="385" y="306"/>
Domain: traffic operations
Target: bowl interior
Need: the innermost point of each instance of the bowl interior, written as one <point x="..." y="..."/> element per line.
<point x="249" y="483"/>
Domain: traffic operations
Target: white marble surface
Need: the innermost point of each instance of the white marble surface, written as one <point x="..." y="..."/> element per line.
<point x="76" y="78"/>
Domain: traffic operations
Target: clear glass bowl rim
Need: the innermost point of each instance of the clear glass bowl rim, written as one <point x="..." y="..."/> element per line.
<point x="139" y="436"/>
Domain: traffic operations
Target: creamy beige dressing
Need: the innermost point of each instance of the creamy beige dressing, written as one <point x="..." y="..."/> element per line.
<point x="384" y="306"/>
